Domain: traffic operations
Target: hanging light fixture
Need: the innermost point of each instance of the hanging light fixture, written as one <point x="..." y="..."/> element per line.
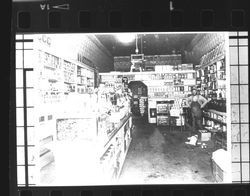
<point x="137" y="58"/>
<point x="136" y="44"/>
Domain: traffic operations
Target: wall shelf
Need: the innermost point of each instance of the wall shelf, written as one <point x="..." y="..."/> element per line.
<point x="215" y="120"/>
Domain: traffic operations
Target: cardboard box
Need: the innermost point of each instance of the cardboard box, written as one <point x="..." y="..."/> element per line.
<point x="204" y="135"/>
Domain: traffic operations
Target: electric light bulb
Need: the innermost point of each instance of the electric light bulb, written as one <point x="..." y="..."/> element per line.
<point x="125" y="37"/>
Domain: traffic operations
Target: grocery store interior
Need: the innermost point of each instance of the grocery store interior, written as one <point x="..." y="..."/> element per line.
<point x="130" y="108"/>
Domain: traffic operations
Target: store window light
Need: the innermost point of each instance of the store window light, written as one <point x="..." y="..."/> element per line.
<point x="125" y="37"/>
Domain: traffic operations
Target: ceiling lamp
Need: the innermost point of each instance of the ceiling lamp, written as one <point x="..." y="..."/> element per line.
<point x="125" y="37"/>
<point x="136" y="45"/>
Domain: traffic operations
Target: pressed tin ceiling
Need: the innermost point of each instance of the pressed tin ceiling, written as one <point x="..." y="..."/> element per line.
<point x="148" y="44"/>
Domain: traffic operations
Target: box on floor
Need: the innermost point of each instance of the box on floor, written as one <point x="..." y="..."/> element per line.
<point x="204" y="135"/>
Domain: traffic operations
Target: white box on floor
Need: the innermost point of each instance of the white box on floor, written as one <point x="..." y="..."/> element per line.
<point x="204" y="135"/>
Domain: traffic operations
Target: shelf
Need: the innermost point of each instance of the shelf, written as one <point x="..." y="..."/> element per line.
<point x="215" y="120"/>
<point x="217" y="112"/>
<point x="46" y="140"/>
<point x="46" y="159"/>
<point x="213" y="61"/>
<point x="215" y="131"/>
<point x="163" y="113"/>
<point x="145" y="73"/>
<point x="44" y="152"/>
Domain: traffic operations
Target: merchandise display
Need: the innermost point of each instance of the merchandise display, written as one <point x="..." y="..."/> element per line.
<point x="59" y="77"/>
<point x="216" y="122"/>
<point x="177" y="111"/>
<point x="176" y="89"/>
<point x="211" y="82"/>
<point x="163" y="110"/>
<point x="142" y="105"/>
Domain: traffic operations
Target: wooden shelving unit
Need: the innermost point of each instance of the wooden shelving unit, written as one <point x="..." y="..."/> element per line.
<point x="56" y="80"/>
<point x="211" y="81"/>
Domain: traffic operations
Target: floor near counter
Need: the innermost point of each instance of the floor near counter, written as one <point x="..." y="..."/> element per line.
<point x="157" y="155"/>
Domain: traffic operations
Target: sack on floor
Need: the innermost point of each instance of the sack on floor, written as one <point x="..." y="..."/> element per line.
<point x="192" y="140"/>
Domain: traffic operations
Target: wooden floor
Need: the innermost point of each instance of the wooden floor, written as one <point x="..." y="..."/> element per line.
<point x="158" y="155"/>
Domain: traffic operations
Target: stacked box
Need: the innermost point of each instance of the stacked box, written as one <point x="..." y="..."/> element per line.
<point x="190" y="66"/>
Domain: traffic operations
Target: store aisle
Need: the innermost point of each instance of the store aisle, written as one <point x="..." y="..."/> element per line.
<point x="157" y="155"/>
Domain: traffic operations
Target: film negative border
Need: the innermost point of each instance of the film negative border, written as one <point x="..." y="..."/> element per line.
<point x="213" y="20"/>
<point x="139" y="191"/>
<point x="172" y="15"/>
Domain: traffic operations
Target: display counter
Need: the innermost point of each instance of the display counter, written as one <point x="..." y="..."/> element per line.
<point x="85" y="154"/>
<point x="115" y="149"/>
<point x="119" y="126"/>
<point x="97" y="139"/>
